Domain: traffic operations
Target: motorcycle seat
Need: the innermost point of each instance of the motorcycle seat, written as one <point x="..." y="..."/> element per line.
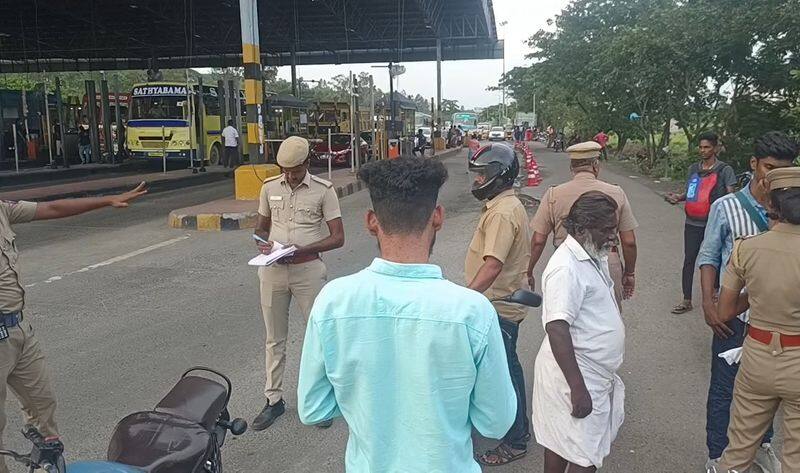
<point x="195" y="398"/>
<point x="157" y="442"/>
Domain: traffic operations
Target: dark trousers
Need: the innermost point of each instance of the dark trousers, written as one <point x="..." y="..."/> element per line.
<point x="519" y="433"/>
<point x="692" y="239"/>
<point x="231" y="157"/>
<point x="720" y="391"/>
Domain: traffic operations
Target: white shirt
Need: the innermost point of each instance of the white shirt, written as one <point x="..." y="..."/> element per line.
<point x="579" y="290"/>
<point x="231" y="137"/>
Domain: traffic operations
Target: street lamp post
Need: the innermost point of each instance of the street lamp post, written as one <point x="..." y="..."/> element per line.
<point x="502" y="79"/>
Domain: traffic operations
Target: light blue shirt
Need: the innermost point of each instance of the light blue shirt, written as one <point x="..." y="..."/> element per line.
<point x="727" y="221"/>
<point x="413" y="362"/>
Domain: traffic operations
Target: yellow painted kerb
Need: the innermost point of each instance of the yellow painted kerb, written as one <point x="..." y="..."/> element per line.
<point x="249" y="178"/>
<point x="208" y="222"/>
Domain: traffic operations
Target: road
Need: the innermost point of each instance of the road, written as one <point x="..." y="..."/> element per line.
<point x="123" y="304"/>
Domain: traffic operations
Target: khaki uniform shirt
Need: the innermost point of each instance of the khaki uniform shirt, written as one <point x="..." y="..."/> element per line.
<point x="557" y="202"/>
<point x="12" y="295"/>
<point x="769" y="266"/>
<point x="298" y="215"/>
<point x="503" y="234"/>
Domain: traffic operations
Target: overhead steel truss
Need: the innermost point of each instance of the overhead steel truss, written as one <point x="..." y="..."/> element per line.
<point x="65" y="35"/>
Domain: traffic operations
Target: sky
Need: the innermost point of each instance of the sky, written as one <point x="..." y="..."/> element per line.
<point x="465" y="81"/>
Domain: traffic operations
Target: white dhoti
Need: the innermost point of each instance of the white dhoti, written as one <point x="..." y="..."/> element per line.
<point x="584" y="442"/>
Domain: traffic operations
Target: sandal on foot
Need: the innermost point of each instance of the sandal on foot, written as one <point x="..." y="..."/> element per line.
<point x="503" y="453"/>
<point x="682" y="308"/>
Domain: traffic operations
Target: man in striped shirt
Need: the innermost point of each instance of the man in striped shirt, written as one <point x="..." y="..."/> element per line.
<point x="731" y="217"/>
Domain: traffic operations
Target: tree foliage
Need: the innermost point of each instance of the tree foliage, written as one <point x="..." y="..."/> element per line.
<point x="695" y="64"/>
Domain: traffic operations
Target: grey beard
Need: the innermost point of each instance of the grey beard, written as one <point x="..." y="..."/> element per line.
<point x="595" y="252"/>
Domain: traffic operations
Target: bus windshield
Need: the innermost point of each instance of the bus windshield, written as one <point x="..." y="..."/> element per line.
<point x="160" y="107"/>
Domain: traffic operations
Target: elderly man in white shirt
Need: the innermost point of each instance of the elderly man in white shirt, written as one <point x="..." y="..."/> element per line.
<point x="577" y="396"/>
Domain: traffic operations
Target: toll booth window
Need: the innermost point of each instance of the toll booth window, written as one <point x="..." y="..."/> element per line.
<point x="157" y="108"/>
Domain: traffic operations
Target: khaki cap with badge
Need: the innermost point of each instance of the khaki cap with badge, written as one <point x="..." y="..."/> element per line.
<point x="783" y="178"/>
<point x="585" y="150"/>
<point x="293" y="152"/>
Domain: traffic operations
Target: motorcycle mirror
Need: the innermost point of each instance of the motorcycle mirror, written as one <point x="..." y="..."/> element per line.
<point x="523" y="297"/>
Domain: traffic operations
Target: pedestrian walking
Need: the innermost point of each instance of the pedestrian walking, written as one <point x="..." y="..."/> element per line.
<point x="735" y="216"/>
<point x="578" y="399"/>
<point x="558" y="201"/>
<point x="709" y="180"/>
<point x="230" y="136"/>
<point x="84" y="144"/>
<point x="495" y="266"/>
<point x="293" y="209"/>
<point x="768" y="265"/>
<point x="411" y="361"/>
<point x="22" y="363"/>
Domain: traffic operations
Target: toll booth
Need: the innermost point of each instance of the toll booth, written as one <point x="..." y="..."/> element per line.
<point x="404" y="123"/>
<point x="325" y="116"/>
<point x="286" y="116"/>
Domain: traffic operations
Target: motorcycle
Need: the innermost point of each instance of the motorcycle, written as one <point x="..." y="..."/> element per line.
<point x="558" y="144"/>
<point x="184" y="433"/>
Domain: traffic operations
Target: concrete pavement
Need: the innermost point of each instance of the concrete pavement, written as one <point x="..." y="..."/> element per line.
<point x="123" y="305"/>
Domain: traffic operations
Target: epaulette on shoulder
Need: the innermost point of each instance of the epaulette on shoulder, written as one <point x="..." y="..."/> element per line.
<point x="322" y="181"/>
<point x="272" y="178"/>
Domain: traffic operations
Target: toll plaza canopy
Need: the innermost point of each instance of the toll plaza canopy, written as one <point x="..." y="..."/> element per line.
<point x="75" y="35"/>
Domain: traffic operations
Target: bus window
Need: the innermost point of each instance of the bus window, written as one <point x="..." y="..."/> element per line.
<point x="165" y="107"/>
<point x="211" y="102"/>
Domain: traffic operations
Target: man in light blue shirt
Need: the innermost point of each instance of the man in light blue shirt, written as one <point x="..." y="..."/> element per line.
<point x="732" y="217"/>
<point x="410" y="360"/>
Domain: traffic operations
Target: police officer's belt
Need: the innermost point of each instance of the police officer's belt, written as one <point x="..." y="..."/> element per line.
<point x="765" y="337"/>
<point x="11" y="320"/>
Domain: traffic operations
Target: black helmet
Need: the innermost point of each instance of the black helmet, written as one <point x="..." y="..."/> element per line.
<point x="499" y="163"/>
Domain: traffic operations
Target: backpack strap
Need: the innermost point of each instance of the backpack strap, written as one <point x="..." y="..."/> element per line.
<point x="754" y="214"/>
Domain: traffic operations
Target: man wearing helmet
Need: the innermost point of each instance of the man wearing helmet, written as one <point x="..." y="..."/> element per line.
<point x="495" y="266"/>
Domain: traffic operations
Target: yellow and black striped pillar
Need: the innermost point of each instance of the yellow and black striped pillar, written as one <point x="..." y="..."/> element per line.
<point x="253" y="86"/>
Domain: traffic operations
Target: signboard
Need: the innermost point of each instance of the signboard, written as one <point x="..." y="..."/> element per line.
<point x="160" y="90"/>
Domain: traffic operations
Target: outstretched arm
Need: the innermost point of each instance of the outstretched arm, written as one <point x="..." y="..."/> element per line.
<point x="69" y="207"/>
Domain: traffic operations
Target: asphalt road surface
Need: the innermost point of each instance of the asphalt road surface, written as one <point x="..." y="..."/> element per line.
<point x="123" y="305"/>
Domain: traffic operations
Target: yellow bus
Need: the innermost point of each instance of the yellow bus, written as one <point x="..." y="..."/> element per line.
<point x="160" y="117"/>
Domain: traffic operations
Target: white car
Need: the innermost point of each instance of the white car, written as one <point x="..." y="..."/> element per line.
<point x="497" y="134"/>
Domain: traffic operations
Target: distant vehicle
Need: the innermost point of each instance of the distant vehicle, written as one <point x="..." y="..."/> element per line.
<point x="509" y="132"/>
<point x="467" y="120"/>
<point x="340" y="151"/>
<point x="497" y="134"/>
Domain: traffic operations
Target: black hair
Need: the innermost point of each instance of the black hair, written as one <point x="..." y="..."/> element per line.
<point x="404" y="192"/>
<point x="580" y="163"/>
<point x="786" y="204"/>
<point x="591" y="210"/>
<point x="230" y="122"/>
<point x="776" y="145"/>
<point x="709" y="136"/>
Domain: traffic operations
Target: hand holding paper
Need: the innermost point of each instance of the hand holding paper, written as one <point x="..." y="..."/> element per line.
<point x="278" y="251"/>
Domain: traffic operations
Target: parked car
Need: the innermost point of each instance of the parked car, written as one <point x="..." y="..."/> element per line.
<point x="339" y="153"/>
<point x="497" y="134"/>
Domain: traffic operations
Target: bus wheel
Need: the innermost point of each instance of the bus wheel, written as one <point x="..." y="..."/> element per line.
<point x="215" y="157"/>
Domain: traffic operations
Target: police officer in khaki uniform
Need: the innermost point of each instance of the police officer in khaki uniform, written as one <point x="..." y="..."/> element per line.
<point x="495" y="265"/>
<point x="293" y="208"/>
<point x="22" y="365"/>
<point x="769" y="375"/>
<point x="557" y="202"/>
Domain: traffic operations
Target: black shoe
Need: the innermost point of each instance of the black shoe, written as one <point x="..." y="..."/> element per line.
<point x="268" y="415"/>
<point x="325" y="424"/>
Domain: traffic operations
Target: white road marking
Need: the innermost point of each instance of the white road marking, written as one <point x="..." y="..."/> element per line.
<point x="111" y="261"/>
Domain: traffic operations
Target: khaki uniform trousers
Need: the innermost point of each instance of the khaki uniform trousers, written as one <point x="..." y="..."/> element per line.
<point x="769" y="376"/>
<point x="23" y="370"/>
<point x="615" y="271"/>
<point x="279" y="284"/>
